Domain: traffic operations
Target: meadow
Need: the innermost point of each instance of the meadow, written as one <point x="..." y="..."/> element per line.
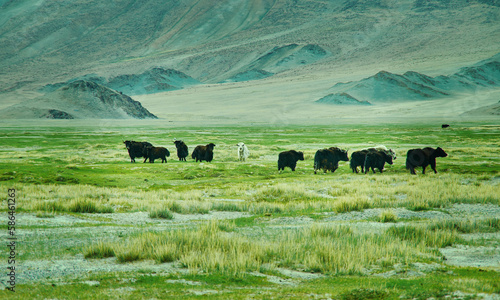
<point x="230" y="229"/>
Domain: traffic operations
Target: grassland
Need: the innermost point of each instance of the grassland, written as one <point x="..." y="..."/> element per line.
<point x="231" y="229"/>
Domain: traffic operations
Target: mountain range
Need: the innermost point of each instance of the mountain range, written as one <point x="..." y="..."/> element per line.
<point x="190" y="49"/>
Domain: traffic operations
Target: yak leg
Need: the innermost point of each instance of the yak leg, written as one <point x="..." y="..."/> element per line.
<point x="433" y="166"/>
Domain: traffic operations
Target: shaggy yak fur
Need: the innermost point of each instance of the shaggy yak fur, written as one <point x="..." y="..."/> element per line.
<point x="358" y="157"/>
<point x="328" y="159"/>
<point x="289" y="159"/>
<point x="137" y="149"/>
<point x="243" y="152"/>
<point x="157" y="152"/>
<point x="358" y="160"/>
<point x="202" y="153"/>
<point x="182" y="150"/>
<point x="377" y="160"/>
<point x="423" y="158"/>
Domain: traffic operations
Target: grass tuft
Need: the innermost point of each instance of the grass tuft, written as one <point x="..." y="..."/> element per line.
<point x="99" y="250"/>
<point x="162" y="213"/>
<point x="387" y="216"/>
<point x="87" y="206"/>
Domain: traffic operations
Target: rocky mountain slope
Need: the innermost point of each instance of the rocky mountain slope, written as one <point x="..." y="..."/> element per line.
<point x="79" y="100"/>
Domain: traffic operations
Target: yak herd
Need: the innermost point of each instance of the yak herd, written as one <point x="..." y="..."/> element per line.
<point x="324" y="159"/>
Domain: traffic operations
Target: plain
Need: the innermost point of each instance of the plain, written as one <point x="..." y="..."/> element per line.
<point x="230" y="229"/>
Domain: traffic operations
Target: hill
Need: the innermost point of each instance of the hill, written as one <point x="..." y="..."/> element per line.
<point x="389" y="87"/>
<point x="151" y="81"/>
<point x="79" y="100"/>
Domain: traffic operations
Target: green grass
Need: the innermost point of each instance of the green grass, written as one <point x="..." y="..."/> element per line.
<point x="60" y="171"/>
<point x="161" y="213"/>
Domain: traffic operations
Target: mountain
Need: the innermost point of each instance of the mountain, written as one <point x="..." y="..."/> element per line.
<point x="151" y="81"/>
<point x="342" y="98"/>
<point x="53" y="41"/>
<point x="257" y="60"/>
<point x="80" y="100"/>
<point x="389" y="87"/>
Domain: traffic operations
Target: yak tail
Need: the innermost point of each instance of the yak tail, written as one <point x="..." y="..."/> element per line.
<point x="317" y="162"/>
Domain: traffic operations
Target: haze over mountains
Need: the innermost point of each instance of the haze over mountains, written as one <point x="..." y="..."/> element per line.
<point x="205" y="51"/>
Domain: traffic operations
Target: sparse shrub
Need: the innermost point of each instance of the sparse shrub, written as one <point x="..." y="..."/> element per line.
<point x="423" y="234"/>
<point x="344" y="205"/>
<point x="51" y="206"/>
<point x="175" y="207"/>
<point x="83" y="206"/>
<point x="162" y="213"/>
<point x="419" y="206"/>
<point x="387" y="216"/>
<point x="266" y="208"/>
<point x="128" y="255"/>
<point x="99" y="250"/>
<point x="468" y="226"/>
<point x="167" y="253"/>
<point x="87" y="206"/>
<point x="225" y="206"/>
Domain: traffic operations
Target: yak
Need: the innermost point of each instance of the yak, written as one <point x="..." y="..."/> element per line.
<point x="423" y="158"/>
<point x="182" y="150"/>
<point x="137" y="149"/>
<point x="289" y="159"/>
<point x="157" y="152"/>
<point x="243" y="152"/>
<point x="377" y="159"/>
<point x="358" y="157"/>
<point x="201" y="153"/>
<point x="328" y="159"/>
<point x="358" y="160"/>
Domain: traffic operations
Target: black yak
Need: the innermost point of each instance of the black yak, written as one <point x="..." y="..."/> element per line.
<point x="358" y="160"/>
<point x="201" y="153"/>
<point x="157" y="152"/>
<point x="377" y="159"/>
<point x="358" y="157"/>
<point x="328" y="159"/>
<point x="182" y="150"/>
<point x="289" y="159"/>
<point x="137" y="149"/>
<point x="423" y="158"/>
